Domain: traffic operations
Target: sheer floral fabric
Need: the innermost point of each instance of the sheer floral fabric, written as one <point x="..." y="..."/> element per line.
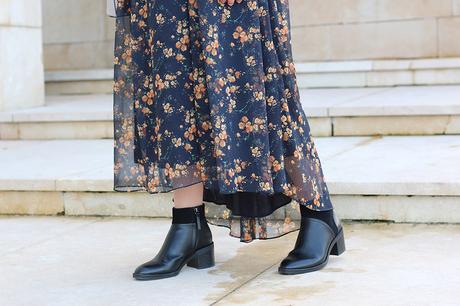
<point x="205" y="92"/>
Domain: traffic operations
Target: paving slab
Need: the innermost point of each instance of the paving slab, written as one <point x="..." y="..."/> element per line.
<point x="93" y="264"/>
<point x="385" y="264"/>
<point x="19" y="233"/>
<point x="89" y="261"/>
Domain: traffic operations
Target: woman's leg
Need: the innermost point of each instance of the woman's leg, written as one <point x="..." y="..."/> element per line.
<point x="189" y="196"/>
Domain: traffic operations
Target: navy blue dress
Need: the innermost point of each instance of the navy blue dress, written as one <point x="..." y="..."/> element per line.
<point x="205" y="92"/>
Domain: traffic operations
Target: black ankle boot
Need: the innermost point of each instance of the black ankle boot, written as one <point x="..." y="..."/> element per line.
<point x="189" y="241"/>
<point x="317" y="238"/>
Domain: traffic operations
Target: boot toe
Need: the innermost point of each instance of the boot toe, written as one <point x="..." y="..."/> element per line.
<point x="293" y="262"/>
<point x="148" y="269"/>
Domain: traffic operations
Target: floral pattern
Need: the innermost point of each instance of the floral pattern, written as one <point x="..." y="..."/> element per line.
<point x="206" y="92"/>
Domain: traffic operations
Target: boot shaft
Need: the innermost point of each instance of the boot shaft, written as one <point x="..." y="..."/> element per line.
<point x="195" y="215"/>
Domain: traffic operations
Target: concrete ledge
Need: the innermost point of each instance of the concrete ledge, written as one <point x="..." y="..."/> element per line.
<point x="381" y="178"/>
<point x="78" y="75"/>
<point x="413" y="209"/>
<point x="379" y="73"/>
<point x="396" y="125"/>
<point x="31" y="203"/>
<point x="378" y="65"/>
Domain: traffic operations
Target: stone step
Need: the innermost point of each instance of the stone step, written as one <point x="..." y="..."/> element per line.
<point x="63" y="117"/>
<point x="379" y="73"/>
<point x="363" y="73"/>
<point x="413" y="110"/>
<point x="396" y="178"/>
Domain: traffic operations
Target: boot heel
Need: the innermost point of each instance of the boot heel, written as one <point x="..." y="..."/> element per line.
<point x="339" y="246"/>
<point x="203" y="258"/>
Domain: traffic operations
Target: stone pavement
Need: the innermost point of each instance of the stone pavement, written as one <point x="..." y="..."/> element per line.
<point x="89" y="261"/>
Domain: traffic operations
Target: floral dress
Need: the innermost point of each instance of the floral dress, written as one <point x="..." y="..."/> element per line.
<point x="206" y="92"/>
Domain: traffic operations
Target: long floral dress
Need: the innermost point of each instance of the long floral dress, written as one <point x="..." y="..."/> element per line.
<point x="206" y="92"/>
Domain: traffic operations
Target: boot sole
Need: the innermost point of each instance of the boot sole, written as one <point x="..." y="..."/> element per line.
<point x="336" y="247"/>
<point x="201" y="259"/>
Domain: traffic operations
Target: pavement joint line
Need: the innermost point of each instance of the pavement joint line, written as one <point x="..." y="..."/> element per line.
<point x="38" y="242"/>
<point x="243" y="284"/>
<point x="449" y="121"/>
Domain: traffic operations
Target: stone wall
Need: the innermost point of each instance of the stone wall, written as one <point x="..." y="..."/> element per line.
<point x="375" y="29"/>
<point x="78" y="35"/>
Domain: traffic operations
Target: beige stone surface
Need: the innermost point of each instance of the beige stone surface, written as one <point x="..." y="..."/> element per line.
<point x="398" y="39"/>
<point x="378" y="73"/>
<point x="448" y="29"/>
<point x="435" y="63"/>
<point x="42" y="163"/>
<point x="9" y="131"/>
<point x="323" y="74"/>
<point x="68" y="108"/>
<point x="21" y="76"/>
<point x="134" y="204"/>
<point x="74" y="21"/>
<point x="456" y="7"/>
<point x="92" y="260"/>
<point x="394" y="165"/>
<point x="24" y="13"/>
<point x="84" y="55"/>
<point x="389" y="78"/>
<point x="80" y="36"/>
<point x="385" y="264"/>
<point x="397" y="101"/>
<point x="65" y="130"/>
<point x="416" y="209"/>
<point x="318" y="12"/>
<point x="346" y="29"/>
<point x="63" y="117"/>
<point x="79" y="87"/>
<point x="321" y="127"/>
<point x="421" y="110"/>
<point x="439" y="77"/>
<point x="331" y="80"/>
<point x="31" y="203"/>
<point x="79" y="75"/>
<point x="394" y="125"/>
<point x="77" y="34"/>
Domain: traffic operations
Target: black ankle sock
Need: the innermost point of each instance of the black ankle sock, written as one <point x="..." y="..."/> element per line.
<point x="325" y="215"/>
<point x="186" y="214"/>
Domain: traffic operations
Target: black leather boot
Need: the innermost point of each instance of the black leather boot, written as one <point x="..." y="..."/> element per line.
<point x="320" y="234"/>
<point x="189" y="241"/>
